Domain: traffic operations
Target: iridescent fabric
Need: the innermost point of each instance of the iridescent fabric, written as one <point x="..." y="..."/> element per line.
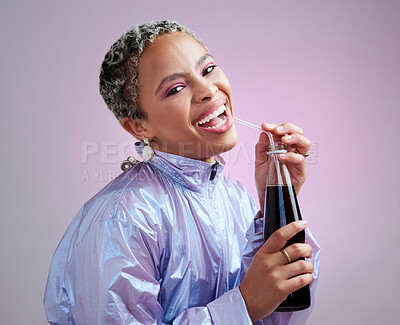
<point x="161" y="244"/>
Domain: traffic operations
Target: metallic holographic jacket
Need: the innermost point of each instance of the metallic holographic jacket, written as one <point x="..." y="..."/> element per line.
<point x="161" y="244"/>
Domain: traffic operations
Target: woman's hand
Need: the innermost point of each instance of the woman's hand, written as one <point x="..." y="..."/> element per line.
<point x="297" y="145"/>
<point x="270" y="279"/>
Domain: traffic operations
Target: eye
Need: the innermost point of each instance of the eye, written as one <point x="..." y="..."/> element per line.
<point x="209" y="69"/>
<point x="174" y="90"/>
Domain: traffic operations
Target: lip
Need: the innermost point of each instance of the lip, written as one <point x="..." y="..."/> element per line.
<point x="217" y="104"/>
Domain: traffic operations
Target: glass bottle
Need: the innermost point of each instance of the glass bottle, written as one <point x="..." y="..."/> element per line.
<point x="281" y="208"/>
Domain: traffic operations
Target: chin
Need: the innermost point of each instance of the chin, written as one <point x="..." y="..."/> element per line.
<point x="228" y="142"/>
<point x="230" y="145"/>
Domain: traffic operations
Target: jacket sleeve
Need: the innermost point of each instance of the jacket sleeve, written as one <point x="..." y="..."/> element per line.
<point x="254" y="242"/>
<point x="115" y="276"/>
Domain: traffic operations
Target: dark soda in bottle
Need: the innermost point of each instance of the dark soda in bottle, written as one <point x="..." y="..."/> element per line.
<point x="281" y="208"/>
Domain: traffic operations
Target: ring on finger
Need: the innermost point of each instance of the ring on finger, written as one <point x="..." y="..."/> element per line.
<point x="305" y="156"/>
<point x="287" y="255"/>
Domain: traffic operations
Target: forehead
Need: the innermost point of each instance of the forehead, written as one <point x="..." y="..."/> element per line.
<point x="169" y="53"/>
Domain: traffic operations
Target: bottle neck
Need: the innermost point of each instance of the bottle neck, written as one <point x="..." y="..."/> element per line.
<point x="276" y="148"/>
<point x="277" y="172"/>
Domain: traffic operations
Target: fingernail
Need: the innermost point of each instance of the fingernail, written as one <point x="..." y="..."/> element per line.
<point x="280" y="128"/>
<point x="282" y="155"/>
<point x="303" y="223"/>
<point x="287" y="137"/>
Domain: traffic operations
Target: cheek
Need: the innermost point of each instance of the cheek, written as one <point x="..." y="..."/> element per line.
<point x="223" y="83"/>
<point x="180" y="107"/>
<point x="169" y="116"/>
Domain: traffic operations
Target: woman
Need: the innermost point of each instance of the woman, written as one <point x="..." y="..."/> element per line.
<point x="166" y="241"/>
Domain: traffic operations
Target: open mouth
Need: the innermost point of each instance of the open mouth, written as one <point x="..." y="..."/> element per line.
<point x="214" y="120"/>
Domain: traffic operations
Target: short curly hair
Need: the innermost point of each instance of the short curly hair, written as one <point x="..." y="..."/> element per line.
<point x="119" y="73"/>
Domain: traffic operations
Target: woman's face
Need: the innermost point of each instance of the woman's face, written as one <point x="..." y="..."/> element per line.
<point x="187" y="98"/>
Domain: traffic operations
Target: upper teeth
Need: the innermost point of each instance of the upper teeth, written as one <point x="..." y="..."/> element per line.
<point x="217" y="112"/>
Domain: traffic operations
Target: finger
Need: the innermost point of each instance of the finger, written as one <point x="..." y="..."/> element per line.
<point x="295" y="251"/>
<point x="270" y="127"/>
<point x="296" y="268"/>
<point x="263" y="142"/>
<point x="261" y="148"/>
<point x="297" y="282"/>
<point x="291" y="158"/>
<point x="297" y="141"/>
<point x="279" y="238"/>
<point x="288" y="128"/>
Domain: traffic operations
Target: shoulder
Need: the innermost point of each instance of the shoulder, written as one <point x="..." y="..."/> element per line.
<point x="117" y="219"/>
<point x="133" y="197"/>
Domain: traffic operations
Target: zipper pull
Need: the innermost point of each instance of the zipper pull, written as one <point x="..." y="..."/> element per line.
<point x="214" y="168"/>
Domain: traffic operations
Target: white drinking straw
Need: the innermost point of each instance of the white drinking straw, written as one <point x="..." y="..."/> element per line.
<point x="271" y="141"/>
<point x="270" y="137"/>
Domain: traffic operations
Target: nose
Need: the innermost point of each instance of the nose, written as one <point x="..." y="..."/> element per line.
<point x="205" y="90"/>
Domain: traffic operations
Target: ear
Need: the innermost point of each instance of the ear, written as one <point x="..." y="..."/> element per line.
<point x="137" y="128"/>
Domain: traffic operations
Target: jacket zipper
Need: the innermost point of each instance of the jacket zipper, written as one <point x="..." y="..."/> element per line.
<point x="215" y="219"/>
<point x="214" y="168"/>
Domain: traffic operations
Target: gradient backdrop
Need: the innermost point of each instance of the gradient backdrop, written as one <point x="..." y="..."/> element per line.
<point x="332" y="67"/>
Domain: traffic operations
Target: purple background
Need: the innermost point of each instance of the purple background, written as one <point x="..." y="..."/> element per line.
<point x="332" y="67"/>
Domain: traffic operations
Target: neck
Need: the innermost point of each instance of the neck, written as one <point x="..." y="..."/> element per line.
<point x="184" y="152"/>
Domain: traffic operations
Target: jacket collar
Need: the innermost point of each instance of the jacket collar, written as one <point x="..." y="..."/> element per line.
<point x="191" y="173"/>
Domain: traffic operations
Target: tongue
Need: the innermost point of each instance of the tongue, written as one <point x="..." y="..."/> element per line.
<point x="212" y="122"/>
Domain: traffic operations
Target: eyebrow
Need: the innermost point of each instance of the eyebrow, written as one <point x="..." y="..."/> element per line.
<point x="176" y="76"/>
<point x="202" y="59"/>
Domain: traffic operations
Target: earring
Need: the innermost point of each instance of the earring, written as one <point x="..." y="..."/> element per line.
<point x="147" y="152"/>
<point x="128" y="163"/>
